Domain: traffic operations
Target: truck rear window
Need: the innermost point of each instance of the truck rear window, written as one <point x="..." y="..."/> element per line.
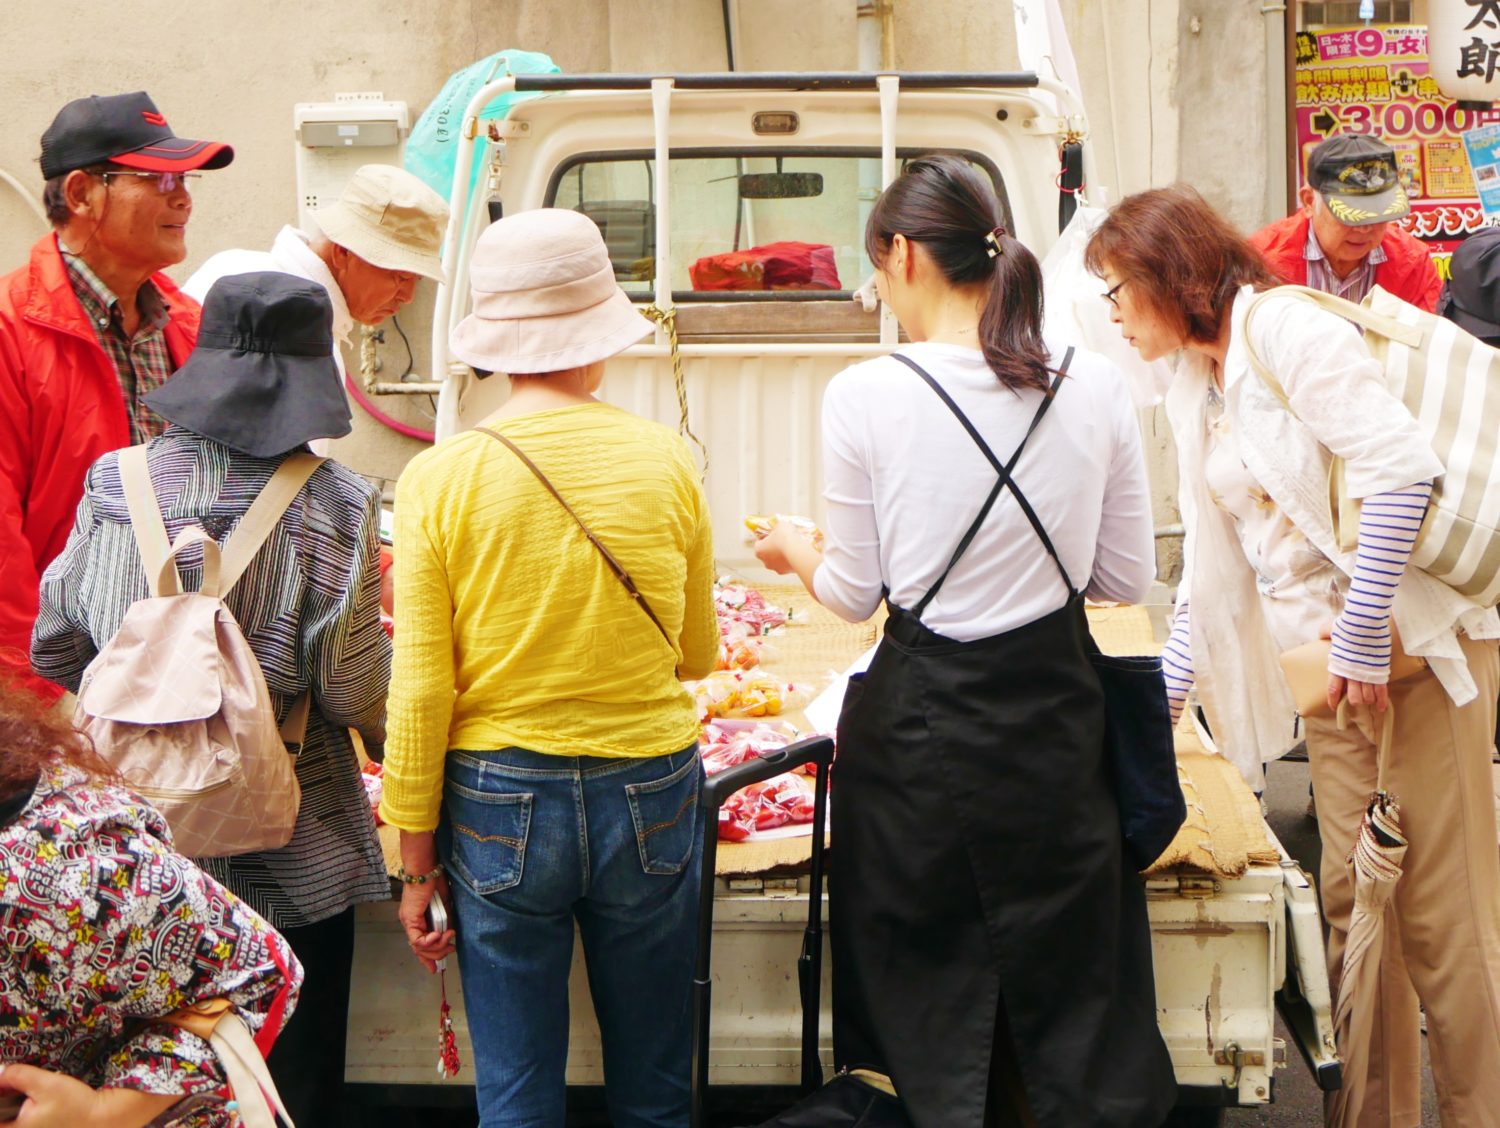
<point x="742" y="224"/>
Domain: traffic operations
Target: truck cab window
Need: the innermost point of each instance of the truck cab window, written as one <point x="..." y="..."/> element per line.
<point x="741" y="222"/>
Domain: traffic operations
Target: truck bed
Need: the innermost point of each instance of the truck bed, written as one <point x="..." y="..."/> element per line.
<point x="1218" y="904"/>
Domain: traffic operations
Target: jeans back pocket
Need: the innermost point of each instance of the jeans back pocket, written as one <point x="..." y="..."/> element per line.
<point x="664" y="813"/>
<point x="489" y="831"/>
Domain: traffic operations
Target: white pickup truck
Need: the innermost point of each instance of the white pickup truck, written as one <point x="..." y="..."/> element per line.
<point x="691" y="177"/>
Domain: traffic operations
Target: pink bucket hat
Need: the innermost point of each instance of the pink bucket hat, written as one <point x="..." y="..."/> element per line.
<point x="545" y="297"/>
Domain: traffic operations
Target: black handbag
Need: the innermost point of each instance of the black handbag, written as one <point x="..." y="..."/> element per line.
<point x="1138" y="721"/>
<point x="1142" y="759"/>
<point x="844" y="1102"/>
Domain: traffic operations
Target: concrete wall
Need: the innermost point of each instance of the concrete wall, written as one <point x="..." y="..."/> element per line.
<point x="1224" y="139"/>
<point x="1172" y="87"/>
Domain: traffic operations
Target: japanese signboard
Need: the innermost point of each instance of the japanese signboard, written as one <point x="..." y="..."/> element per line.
<point x="1377" y="80"/>
<point x="1464" y="48"/>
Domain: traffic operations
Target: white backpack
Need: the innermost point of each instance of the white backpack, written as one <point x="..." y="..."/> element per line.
<point x="176" y="701"/>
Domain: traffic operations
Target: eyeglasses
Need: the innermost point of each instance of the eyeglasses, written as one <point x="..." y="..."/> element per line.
<point x="1109" y="295"/>
<point x="166" y="182"/>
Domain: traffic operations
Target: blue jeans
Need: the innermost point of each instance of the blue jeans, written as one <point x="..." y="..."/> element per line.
<point x="534" y="842"/>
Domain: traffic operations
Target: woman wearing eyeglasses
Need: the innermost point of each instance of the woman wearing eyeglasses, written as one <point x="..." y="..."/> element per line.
<point x="991" y="952"/>
<point x="1266" y="575"/>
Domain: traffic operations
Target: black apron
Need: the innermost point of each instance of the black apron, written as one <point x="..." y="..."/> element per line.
<point x="978" y="891"/>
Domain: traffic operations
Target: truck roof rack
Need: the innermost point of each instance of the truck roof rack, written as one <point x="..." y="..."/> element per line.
<point x="780" y="80"/>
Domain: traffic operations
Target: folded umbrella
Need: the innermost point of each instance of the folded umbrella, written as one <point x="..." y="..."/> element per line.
<point x="1379" y="849"/>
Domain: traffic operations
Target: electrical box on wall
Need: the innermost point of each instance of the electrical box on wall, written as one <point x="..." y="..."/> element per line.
<point x="335" y="138"/>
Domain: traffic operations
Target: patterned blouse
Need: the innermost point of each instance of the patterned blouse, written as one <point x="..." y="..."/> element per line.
<point x="106" y="928"/>
<point x="309" y="607"/>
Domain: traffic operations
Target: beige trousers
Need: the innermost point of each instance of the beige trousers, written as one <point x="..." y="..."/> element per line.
<point x="1442" y="934"/>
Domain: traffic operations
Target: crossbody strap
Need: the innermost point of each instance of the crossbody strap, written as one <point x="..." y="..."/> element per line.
<point x="217" y="1022"/>
<point x="1002" y="469"/>
<point x="614" y="565"/>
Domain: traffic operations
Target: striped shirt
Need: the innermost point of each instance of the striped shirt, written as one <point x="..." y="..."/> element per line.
<point x="1320" y="275"/>
<point x="1177" y="661"/>
<point x="1388" y="527"/>
<point x="309" y="607"/>
<point x="142" y="362"/>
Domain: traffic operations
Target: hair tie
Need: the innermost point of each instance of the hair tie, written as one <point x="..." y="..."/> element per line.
<point x="992" y="241"/>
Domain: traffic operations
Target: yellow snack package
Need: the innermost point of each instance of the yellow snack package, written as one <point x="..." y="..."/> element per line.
<point x="762" y="523"/>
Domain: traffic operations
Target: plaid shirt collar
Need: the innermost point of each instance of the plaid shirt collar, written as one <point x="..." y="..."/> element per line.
<point x="1320" y="275"/>
<point x="101" y="304"/>
<point x="142" y="363"/>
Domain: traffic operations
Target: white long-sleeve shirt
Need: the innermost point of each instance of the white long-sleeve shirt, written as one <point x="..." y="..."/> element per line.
<point x="904" y="481"/>
<point x="1343" y="407"/>
<point x="289" y="254"/>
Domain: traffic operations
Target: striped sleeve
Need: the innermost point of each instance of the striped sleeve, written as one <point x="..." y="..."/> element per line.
<point x="1177" y="662"/>
<point x="1388" y="525"/>
<point x="61" y="645"/>
<point x="347" y="650"/>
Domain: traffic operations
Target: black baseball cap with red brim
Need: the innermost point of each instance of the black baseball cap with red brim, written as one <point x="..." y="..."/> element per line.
<point x="123" y="129"/>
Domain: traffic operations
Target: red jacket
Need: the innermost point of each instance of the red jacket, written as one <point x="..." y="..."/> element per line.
<point x="1406" y="272"/>
<point x="60" y="408"/>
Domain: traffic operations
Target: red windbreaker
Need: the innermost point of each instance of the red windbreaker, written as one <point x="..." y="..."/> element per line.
<point x="60" y="408"/>
<point x="1406" y="272"/>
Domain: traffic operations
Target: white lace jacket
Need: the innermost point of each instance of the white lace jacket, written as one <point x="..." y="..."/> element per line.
<point x="1342" y="407"/>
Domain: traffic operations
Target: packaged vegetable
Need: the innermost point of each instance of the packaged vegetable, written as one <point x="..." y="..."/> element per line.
<point x="738" y="605"/>
<point x="776" y="802"/>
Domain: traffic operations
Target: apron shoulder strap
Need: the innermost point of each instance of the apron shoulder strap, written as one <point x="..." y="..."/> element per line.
<point x="1004" y="470"/>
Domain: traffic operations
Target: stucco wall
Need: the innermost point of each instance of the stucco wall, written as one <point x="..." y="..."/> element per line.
<point x="1223" y="138"/>
<point x="232" y="71"/>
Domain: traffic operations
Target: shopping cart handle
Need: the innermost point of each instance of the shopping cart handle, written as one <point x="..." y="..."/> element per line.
<point x="719" y="787"/>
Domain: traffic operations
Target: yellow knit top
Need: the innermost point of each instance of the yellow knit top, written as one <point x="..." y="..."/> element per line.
<point x="511" y="631"/>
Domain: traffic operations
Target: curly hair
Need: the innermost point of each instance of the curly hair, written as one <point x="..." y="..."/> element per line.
<point x="1185" y="261"/>
<point x="34" y="735"/>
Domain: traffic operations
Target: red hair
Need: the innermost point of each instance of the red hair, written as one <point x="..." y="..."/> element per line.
<point x="1184" y="261"/>
<point x="34" y="735"/>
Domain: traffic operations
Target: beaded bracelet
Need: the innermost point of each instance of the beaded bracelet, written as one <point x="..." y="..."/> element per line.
<point x="418" y="878"/>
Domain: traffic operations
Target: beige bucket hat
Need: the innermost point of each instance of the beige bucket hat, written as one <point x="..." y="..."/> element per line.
<point x="545" y="297"/>
<point x="389" y="218"/>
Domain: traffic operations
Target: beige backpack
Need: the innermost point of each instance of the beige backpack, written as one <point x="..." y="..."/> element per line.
<point x="176" y="701"/>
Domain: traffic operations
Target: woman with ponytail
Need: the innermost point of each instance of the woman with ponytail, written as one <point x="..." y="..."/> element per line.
<point x="991" y="953"/>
